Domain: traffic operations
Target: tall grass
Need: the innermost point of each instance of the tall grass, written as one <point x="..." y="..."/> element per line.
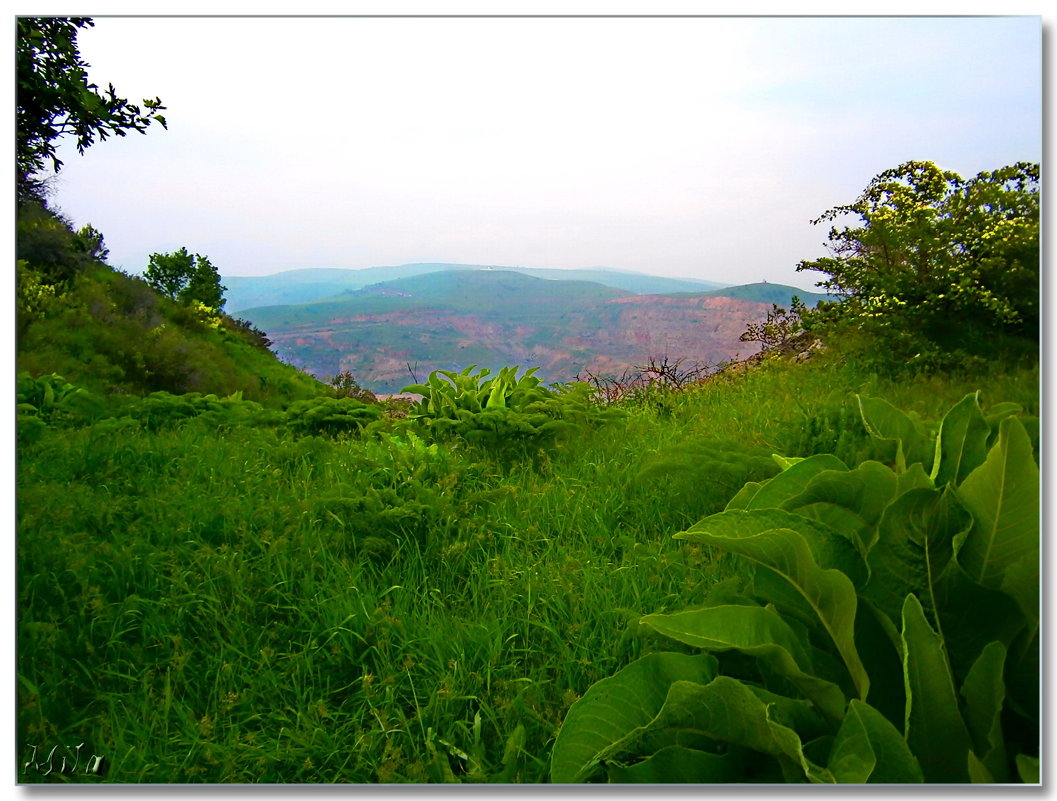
<point x="201" y="605"/>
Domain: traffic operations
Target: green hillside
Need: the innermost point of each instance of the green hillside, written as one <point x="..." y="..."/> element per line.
<point x="116" y="335"/>
<point x="309" y="605"/>
<point x="112" y="333"/>
<point x="486" y="292"/>
<point x="310" y="285"/>
<point x="765" y="292"/>
<point x="482" y="291"/>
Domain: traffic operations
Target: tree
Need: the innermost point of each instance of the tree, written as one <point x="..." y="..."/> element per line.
<point x="185" y="277"/>
<point x="937" y="260"/>
<point x="204" y="285"/>
<point x="54" y="98"/>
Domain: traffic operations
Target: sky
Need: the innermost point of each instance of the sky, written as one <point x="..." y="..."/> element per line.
<point x="695" y="147"/>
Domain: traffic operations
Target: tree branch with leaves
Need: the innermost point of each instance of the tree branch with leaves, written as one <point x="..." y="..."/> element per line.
<point x="55" y="99"/>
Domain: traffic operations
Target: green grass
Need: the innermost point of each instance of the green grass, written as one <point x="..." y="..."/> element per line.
<point x="244" y="605"/>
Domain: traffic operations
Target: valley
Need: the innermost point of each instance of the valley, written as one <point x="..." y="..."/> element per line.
<point x="388" y="333"/>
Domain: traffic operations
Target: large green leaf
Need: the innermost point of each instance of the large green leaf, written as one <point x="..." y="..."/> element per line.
<point x="880" y="647"/>
<point x="984" y="693"/>
<point x="1022" y="581"/>
<point x="828" y="593"/>
<point x="914" y="478"/>
<point x="830" y="548"/>
<point x="997" y="412"/>
<point x="885" y="422"/>
<point x="792" y="480"/>
<point x="848" y="500"/>
<point x="868" y="748"/>
<point x="757" y="631"/>
<point x="677" y="764"/>
<point x="1028" y="769"/>
<point x="914" y="547"/>
<point x="1022" y="672"/>
<point x="744" y="495"/>
<point x="972" y="616"/>
<point x="1002" y="495"/>
<point x="961" y="446"/>
<point x="935" y="730"/>
<point x="615" y="711"/>
<point x="728" y="711"/>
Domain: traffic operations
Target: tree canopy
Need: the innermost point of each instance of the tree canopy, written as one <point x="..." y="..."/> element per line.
<point x="186" y="278"/>
<point x="935" y="258"/>
<point x="55" y="98"/>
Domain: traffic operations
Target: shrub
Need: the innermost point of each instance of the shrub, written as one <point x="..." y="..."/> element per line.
<point x="937" y="262"/>
<point x="332" y="416"/>
<point x="503" y="413"/>
<point x="345" y="385"/>
<point x="161" y="410"/>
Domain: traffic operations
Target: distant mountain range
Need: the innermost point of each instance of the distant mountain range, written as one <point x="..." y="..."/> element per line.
<point x="450" y="319"/>
<point x="306" y="286"/>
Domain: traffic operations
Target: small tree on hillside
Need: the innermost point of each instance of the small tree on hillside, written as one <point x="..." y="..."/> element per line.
<point x="185" y="277"/>
<point x="780" y="326"/>
<point x="345" y="385"/>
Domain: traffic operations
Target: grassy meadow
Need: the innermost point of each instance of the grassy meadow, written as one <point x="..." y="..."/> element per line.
<point x="217" y="598"/>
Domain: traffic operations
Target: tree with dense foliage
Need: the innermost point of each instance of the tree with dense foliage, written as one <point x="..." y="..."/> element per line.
<point x="185" y="277"/>
<point x="55" y="98"/>
<point x="937" y="260"/>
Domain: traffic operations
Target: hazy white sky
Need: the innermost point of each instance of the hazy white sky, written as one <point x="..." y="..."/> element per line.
<point x="697" y="147"/>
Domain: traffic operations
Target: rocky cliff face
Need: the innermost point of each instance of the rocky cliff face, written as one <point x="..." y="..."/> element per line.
<point x="603" y="338"/>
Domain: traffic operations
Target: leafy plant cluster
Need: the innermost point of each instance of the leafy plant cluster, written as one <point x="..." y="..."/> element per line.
<point x="48" y="396"/>
<point x="51" y="398"/>
<point x="504" y="411"/>
<point x="331" y="416"/>
<point x="884" y="626"/>
<point x="48" y="399"/>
